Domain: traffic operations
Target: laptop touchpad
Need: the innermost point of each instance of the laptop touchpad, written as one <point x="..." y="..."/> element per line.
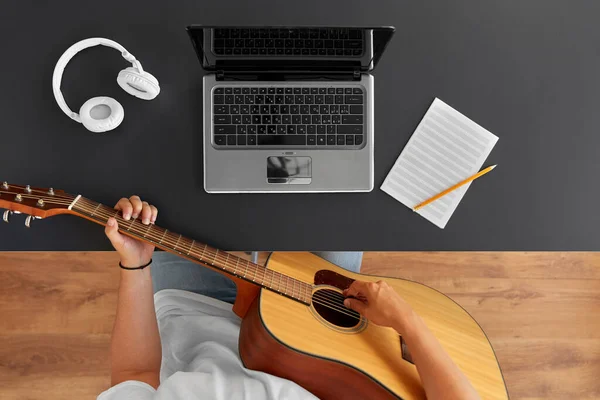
<point x="289" y="170"/>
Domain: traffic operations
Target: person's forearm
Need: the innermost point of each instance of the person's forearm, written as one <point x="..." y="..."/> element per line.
<point x="440" y="376"/>
<point x="135" y="348"/>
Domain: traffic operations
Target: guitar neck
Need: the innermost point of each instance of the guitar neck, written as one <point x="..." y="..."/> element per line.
<point x="198" y="252"/>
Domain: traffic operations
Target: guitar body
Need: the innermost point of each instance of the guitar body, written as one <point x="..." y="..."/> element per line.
<point x="333" y="360"/>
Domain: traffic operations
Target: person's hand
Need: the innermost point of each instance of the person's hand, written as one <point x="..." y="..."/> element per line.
<point x="134" y="253"/>
<point x="378" y="302"/>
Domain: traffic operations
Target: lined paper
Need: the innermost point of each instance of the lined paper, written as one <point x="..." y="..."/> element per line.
<point x="446" y="148"/>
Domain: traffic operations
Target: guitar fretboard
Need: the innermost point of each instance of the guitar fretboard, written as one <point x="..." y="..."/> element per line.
<point x="200" y="252"/>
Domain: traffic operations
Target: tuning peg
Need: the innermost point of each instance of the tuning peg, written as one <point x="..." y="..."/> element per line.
<point x="6" y="216"/>
<point x="51" y="192"/>
<point x="5" y="185"/>
<point x="28" y="189"/>
<point x="28" y="220"/>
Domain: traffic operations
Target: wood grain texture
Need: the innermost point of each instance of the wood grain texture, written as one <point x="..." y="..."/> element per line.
<point x="541" y="312"/>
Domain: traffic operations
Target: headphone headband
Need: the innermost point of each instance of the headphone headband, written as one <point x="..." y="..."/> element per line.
<point x="70" y="53"/>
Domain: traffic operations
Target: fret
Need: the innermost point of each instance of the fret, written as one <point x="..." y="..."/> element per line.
<point x="132" y="221"/>
<point x="178" y="239"/>
<point x="96" y="209"/>
<point x="191" y="247"/>
<point x="293" y="286"/>
<point x="163" y="236"/>
<point x="215" y="257"/>
<point x="280" y="274"/>
<point x="203" y="250"/>
<point x="236" y="265"/>
<point x="246" y="270"/>
<point x="147" y="230"/>
<point x="226" y="261"/>
<point x="272" y="276"/>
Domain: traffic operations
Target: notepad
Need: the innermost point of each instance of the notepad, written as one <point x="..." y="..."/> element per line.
<point x="446" y="148"/>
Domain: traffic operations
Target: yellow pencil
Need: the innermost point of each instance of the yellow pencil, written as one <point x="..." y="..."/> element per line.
<point x="459" y="184"/>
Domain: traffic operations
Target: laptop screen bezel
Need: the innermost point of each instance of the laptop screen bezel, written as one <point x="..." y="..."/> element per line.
<point x="381" y="36"/>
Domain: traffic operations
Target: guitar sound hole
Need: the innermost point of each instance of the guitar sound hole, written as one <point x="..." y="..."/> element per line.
<point x="329" y="304"/>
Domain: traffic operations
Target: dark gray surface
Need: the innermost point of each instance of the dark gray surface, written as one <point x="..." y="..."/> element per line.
<point x="528" y="71"/>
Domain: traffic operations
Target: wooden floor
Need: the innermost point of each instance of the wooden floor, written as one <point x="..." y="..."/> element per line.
<point x="541" y="312"/>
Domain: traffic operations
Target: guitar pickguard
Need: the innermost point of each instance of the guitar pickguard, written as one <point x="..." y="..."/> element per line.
<point x="327" y="277"/>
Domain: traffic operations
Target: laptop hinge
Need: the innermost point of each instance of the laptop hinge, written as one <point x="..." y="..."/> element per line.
<point x="287" y="75"/>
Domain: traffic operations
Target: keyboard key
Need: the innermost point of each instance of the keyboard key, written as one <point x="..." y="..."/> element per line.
<point x="220" y="140"/>
<point x="345" y="109"/>
<point x="321" y="129"/>
<point x="349" y="139"/>
<point x="246" y="90"/>
<point x="228" y="90"/>
<point x="356" y="109"/>
<point x="291" y="129"/>
<point x="229" y="99"/>
<point x="348" y="90"/>
<point x="221" y="109"/>
<point x="281" y="129"/>
<point x="264" y="109"/>
<point x="249" y="99"/>
<point x="321" y="140"/>
<point x="231" y="140"/>
<point x="306" y="119"/>
<point x="311" y="140"/>
<point x="246" y="119"/>
<point x="251" y="140"/>
<point x="325" y="119"/>
<point x="341" y="140"/>
<point x="314" y="109"/>
<point x="301" y="130"/>
<point x="225" y="129"/>
<point x="354" y="99"/>
<point x="339" y="99"/>
<point x="304" y="109"/>
<point x="262" y="129"/>
<point x="329" y="99"/>
<point x="350" y="129"/>
<point x="219" y="99"/>
<point x="272" y="130"/>
<point x="331" y="90"/>
<point x="296" y="119"/>
<point x="335" y="119"/>
<point x="352" y="119"/>
<point x="352" y="44"/>
<point x="262" y="90"/>
<point x="237" y="90"/>
<point x="358" y="139"/>
<point x="297" y="90"/>
<point x="324" y="110"/>
<point x="312" y="129"/>
<point x="281" y="140"/>
<point x="241" y="129"/>
<point x="219" y="90"/>
<point x="251" y="129"/>
<point x="357" y="91"/>
<point x="245" y="109"/>
<point x="256" y="119"/>
<point x="294" y="109"/>
<point x="330" y="140"/>
<point x="339" y="91"/>
<point x="241" y="140"/>
<point x="331" y="129"/>
<point x="236" y="119"/>
<point x="286" y="119"/>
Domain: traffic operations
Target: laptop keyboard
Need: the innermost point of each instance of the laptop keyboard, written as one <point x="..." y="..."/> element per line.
<point x="324" y="117"/>
<point x="288" y="42"/>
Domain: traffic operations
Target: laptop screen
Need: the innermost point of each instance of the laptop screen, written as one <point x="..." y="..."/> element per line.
<point x="310" y="49"/>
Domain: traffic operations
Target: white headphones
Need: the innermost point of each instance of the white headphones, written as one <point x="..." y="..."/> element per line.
<point x="101" y="114"/>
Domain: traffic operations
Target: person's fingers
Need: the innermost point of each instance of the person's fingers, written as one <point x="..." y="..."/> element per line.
<point x="354" y="289"/>
<point x="146" y="213"/>
<point x="154" y="214"/>
<point x="136" y="202"/>
<point x="356" y="305"/>
<point x="112" y="232"/>
<point x="124" y="205"/>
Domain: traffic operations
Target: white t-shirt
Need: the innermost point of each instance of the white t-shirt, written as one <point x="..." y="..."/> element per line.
<point x="200" y="357"/>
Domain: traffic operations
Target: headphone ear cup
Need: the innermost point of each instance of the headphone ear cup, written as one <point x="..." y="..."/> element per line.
<point x="101" y="114"/>
<point x="139" y="84"/>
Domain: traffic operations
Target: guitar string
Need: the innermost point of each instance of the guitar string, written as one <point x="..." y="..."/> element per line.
<point x="54" y="199"/>
<point x="223" y="256"/>
<point x="56" y="195"/>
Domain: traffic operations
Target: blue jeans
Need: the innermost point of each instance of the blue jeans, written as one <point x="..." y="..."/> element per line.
<point x="172" y="272"/>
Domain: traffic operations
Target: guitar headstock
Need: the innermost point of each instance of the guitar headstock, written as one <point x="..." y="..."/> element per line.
<point x="36" y="202"/>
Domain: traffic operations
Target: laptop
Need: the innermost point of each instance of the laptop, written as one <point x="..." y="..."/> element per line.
<point x="288" y="109"/>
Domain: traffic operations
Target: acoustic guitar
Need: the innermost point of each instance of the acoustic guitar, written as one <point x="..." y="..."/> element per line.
<point x="294" y="323"/>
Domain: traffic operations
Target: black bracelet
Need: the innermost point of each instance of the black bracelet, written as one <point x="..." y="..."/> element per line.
<point x="131" y="269"/>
